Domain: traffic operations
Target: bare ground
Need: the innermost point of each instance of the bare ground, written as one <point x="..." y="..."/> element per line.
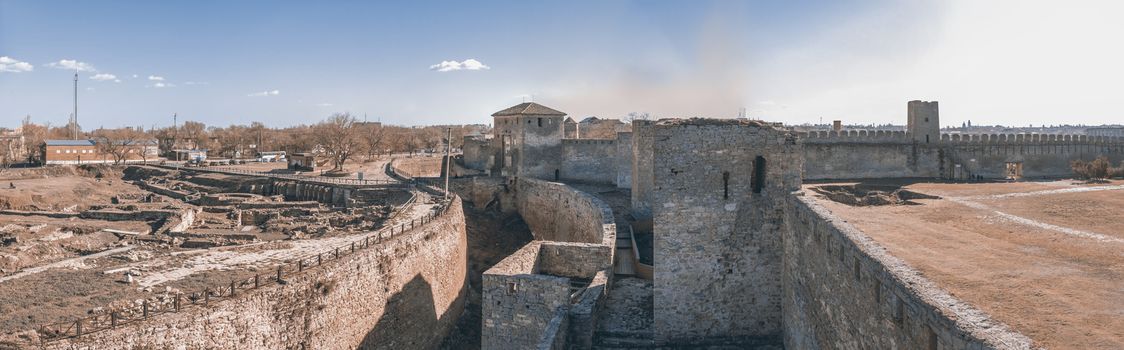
<point x="1011" y="250"/>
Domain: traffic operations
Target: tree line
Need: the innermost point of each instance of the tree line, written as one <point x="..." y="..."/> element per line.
<point x="339" y="137"/>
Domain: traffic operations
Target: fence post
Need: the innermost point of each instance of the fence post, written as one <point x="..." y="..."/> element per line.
<point x="231" y="289"/>
<point x="207" y="296"/>
<point x="319" y="259"/>
<point x="78" y="327"/>
<point x="353" y="247"/>
<point x="337" y="253"/>
<point x="279" y="274"/>
<point x="257" y="281"/>
<point x="113" y="320"/>
<point x="300" y="265"/>
<point x="176" y="303"/>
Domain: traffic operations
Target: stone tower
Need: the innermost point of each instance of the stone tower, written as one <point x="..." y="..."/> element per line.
<point x="719" y="187"/>
<point x="528" y="141"/>
<point x="923" y="121"/>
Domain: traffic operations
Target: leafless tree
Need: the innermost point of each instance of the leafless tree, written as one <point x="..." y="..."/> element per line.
<point x="374" y="135"/>
<point x="339" y="137"/>
<point x="119" y="143"/>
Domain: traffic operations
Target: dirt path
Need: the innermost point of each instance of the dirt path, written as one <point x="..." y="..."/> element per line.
<point x="68" y="263"/>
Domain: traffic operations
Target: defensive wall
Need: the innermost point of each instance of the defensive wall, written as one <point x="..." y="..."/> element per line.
<point x="401" y="287"/>
<point x="719" y="190"/>
<point x="859" y="154"/>
<point x="842" y="290"/>
<point x="548" y="292"/>
<point x="589" y="160"/>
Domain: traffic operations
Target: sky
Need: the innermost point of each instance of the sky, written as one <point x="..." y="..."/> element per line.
<point x="426" y="62"/>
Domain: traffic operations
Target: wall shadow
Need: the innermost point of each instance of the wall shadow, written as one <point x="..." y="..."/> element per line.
<point x="409" y="319"/>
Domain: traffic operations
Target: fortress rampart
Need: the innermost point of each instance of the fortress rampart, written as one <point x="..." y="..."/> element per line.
<point x="589" y="160"/>
<point x="549" y="291"/>
<point x="861" y="154"/>
<point x="404" y="288"/>
<point x="843" y="290"/>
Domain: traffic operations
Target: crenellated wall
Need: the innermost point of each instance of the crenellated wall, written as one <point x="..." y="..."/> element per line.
<point x="844" y="291"/>
<point x="406" y="291"/>
<point x="862" y="154"/>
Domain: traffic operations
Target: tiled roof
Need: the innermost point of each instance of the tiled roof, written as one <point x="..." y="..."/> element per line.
<point x="528" y="108"/>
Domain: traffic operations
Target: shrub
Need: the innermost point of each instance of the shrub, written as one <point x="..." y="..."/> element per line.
<point x="1097" y="169"/>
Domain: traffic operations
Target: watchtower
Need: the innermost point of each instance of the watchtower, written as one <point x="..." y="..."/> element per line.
<point x="923" y="121"/>
<point x="528" y="141"/>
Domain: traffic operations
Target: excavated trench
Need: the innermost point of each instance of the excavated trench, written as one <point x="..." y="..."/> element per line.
<point x="862" y="195"/>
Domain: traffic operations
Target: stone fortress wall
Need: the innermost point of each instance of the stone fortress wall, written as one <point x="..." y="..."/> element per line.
<point x="740" y="262"/>
<point x="589" y="160"/>
<point x="406" y="291"/>
<point x="844" y="291"/>
<point x="548" y="291"/>
<point x="922" y="152"/>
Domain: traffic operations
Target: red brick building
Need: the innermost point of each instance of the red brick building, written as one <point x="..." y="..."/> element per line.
<point x="86" y="152"/>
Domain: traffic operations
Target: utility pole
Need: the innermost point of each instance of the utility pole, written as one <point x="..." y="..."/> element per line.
<point x="448" y="157"/>
<point x="74" y="119"/>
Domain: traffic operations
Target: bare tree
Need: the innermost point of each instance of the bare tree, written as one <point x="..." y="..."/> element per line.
<point x="339" y="137"/>
<point x="195" y="132"/>
<point x="636" y="116"/>
<point x="33" y="136"/>
<point x="119" y="143"/>
<point x="374" y="135"/>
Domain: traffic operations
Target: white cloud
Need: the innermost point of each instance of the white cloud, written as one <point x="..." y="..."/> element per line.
<point x="8" y="64"/>
<point x="72" y="65"/>
<point x="161" y="84"/>
<point x="196" y="83"/>
<point x="155" y="78"/>
<point x="265" y="93"/>
<point x="105" y="77"/>
<point x="135" y="76"/>
<point x="469" y="64"/>
<point x="324" y="104"/>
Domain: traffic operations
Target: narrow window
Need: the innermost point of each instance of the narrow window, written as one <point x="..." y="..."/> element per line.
<point x="926" y="138"/>
<point x="556" y="175"/>
<point x="877" y="290"/>
<point x="725" y="185"/>
<point x="540" y="122"/>
<point x="758" y="179"/>
<point x="511" y="287"/>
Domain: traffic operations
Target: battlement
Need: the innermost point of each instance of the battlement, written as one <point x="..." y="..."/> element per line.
<point x="1039" y="139"/>
<point x="589" y="141"/>
<point x="855" y="136"/>
<point x="881" y="136"/>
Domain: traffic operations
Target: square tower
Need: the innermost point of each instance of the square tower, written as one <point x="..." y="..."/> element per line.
<point x="528" y="141"/>
<point x="923" y="121"/>
<point x="717" y="198"/>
